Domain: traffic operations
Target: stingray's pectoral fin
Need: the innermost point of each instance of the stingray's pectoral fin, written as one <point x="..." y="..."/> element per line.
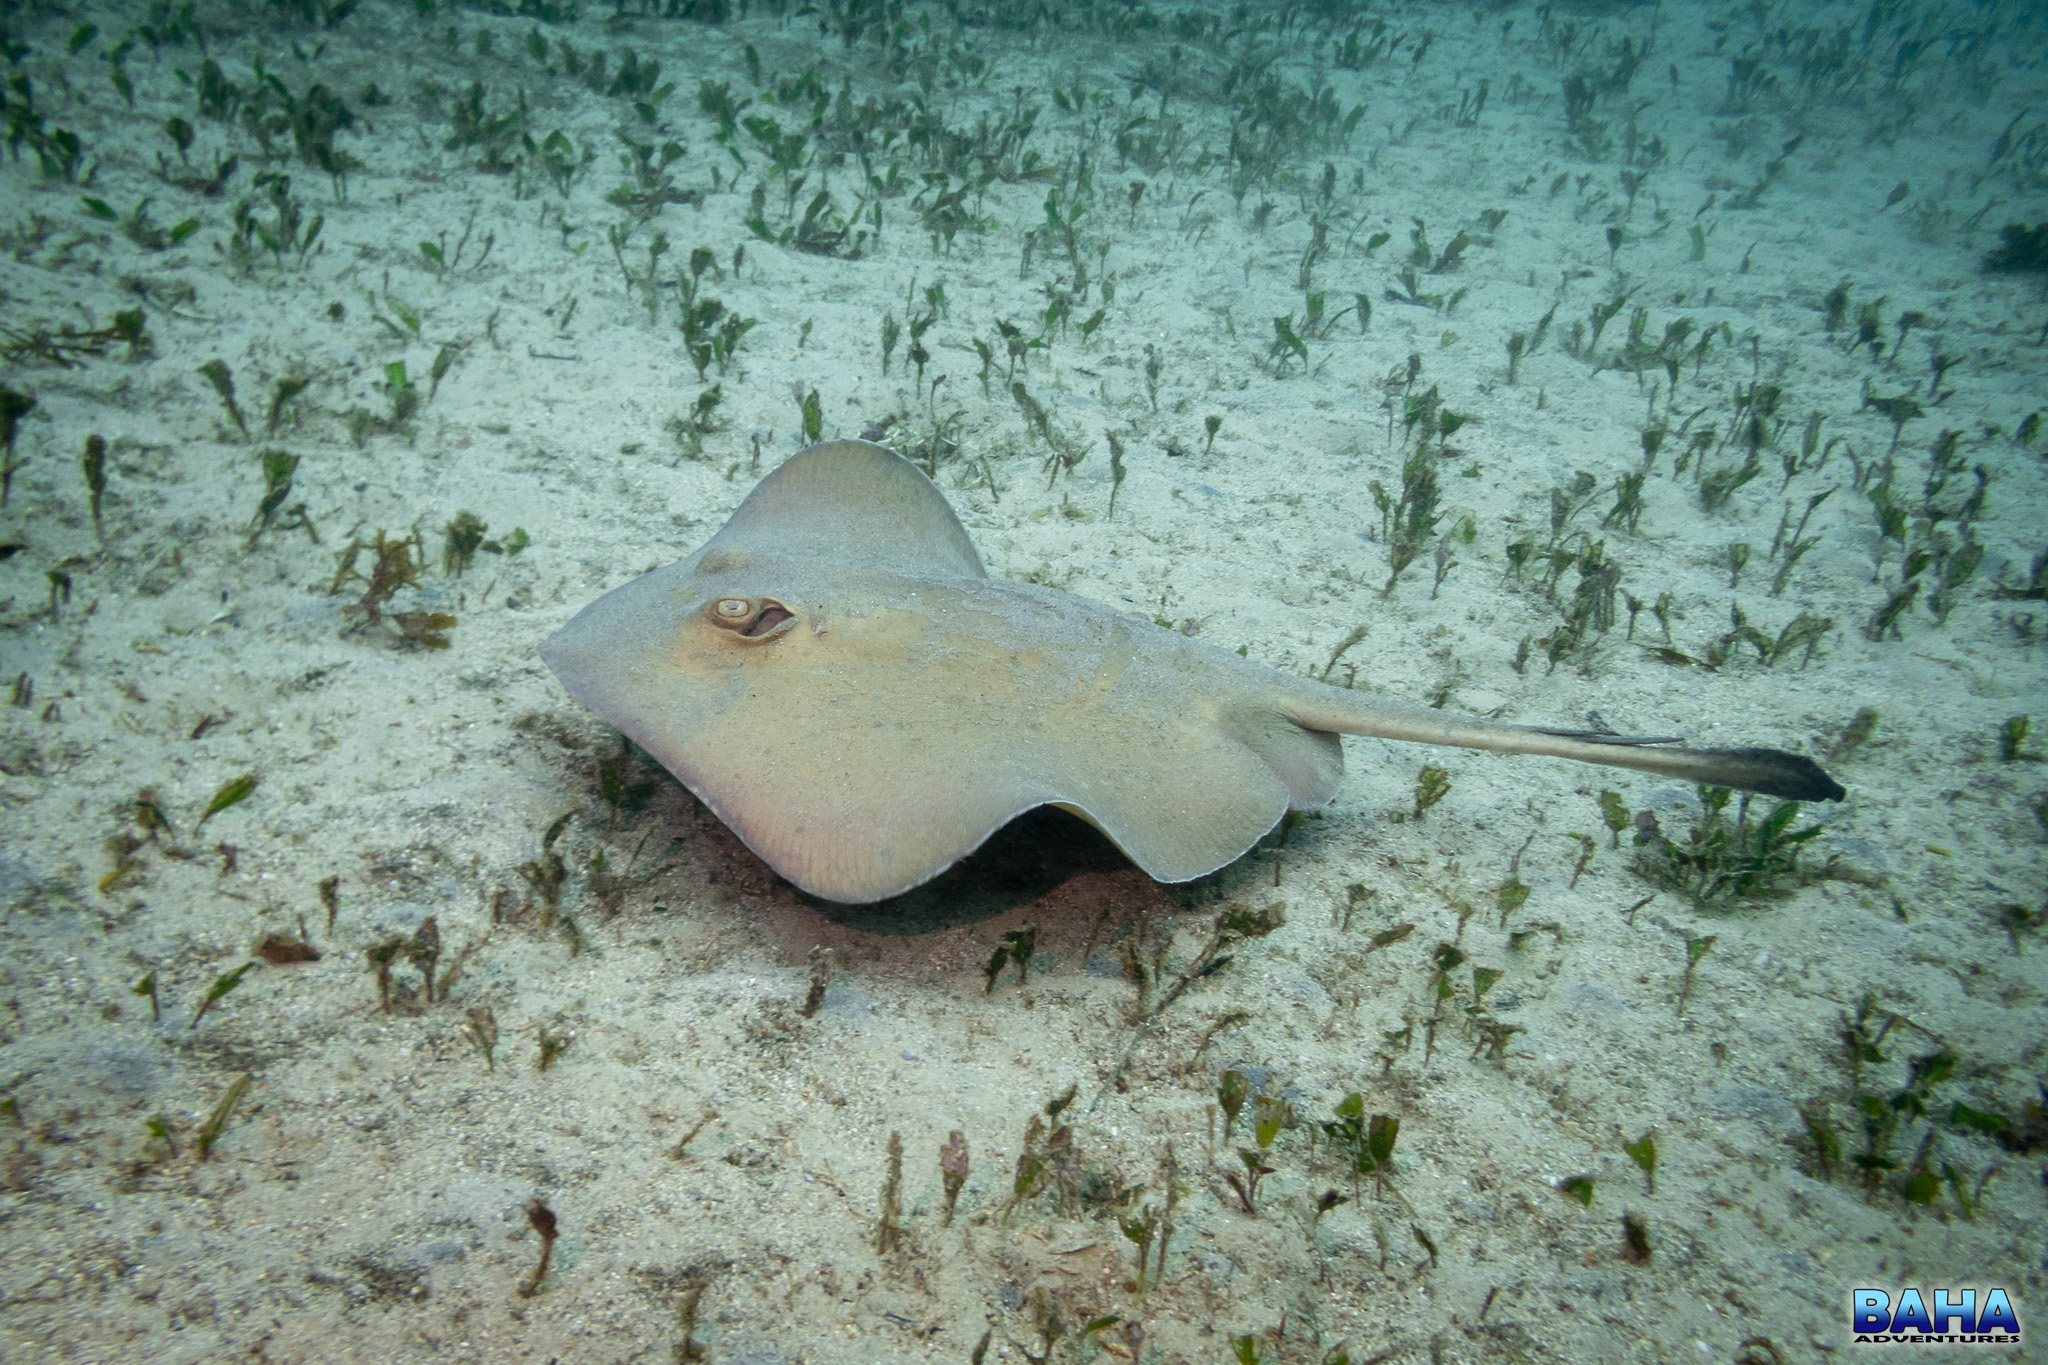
<point x="1769" y="772"/>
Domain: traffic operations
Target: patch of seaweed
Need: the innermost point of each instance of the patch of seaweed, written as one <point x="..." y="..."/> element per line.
<point x="2023" y="250"/>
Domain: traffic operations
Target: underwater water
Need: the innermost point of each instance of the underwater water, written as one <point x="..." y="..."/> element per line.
<point x="1673" y="370"/>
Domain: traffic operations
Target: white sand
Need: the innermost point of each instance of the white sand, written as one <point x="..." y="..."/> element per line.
<point x="364" y="1200"/>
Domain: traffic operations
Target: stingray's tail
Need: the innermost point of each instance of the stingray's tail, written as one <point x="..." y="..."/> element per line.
<point x="1771" y="772"/>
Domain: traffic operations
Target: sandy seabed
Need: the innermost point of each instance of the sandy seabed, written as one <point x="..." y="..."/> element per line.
<point x="1758" y="230"/>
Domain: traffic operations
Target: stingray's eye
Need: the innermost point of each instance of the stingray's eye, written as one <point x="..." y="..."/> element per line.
<point x="732" y="610"/>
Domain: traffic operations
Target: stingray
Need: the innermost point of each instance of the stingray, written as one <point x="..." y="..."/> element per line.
<point x="838" y="678"/>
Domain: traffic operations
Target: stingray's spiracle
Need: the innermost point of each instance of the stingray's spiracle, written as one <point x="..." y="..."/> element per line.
<point x="754" y="618"/>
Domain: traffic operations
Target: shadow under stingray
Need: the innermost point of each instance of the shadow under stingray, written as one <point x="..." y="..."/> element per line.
<point x="1023" y="862"/>
<point x="1026" y="862"/>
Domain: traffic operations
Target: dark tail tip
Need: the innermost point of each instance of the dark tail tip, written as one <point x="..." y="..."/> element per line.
<point x="1773" y="772"/>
